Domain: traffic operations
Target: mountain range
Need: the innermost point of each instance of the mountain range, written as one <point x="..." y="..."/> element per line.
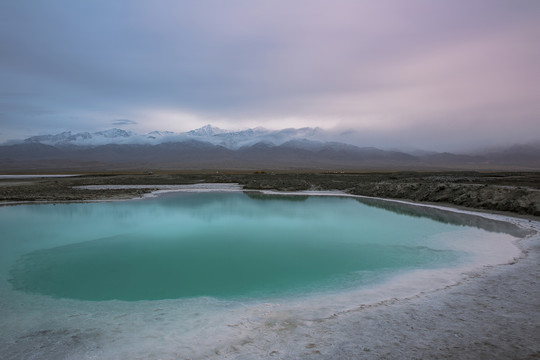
<point x="212" y="148"/>
<point x="207" y="133"/>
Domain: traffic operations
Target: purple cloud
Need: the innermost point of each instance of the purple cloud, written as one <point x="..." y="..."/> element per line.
<point x="381" y="67"/>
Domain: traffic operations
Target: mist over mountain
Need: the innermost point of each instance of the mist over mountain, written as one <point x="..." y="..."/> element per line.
<point x="213" y="148"/>
<point x="208" y="133"/>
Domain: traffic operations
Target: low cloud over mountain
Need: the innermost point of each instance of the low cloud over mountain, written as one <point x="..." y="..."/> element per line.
<point x="213" y="148"/>
<point x="207" y="133"/>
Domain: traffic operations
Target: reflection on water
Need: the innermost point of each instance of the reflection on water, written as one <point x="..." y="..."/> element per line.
<point x="257" y="195"/>
<point x="447" y="216"/>
<point x="217" y="244"/>
<point x="440" y="215"/>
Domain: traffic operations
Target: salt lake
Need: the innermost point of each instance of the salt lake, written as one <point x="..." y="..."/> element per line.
<point x="191" y="274"/>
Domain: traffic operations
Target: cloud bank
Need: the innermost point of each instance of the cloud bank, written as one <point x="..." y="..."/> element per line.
<point x="120" y="122"/>
<point x="444" y="74"/>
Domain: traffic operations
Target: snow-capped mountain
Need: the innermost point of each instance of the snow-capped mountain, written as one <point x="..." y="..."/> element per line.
<point x="83" y="138"/>
<point x="114" y="133"/>
<point x="207" y="133"/>
<point x="213" y="148"/>
<point x="65" y="137"/>
<point x="207" y="130"/>
<point x="158" y="134"/>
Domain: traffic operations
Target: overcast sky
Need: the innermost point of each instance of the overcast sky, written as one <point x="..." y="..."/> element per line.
<point x="430" y="74"/>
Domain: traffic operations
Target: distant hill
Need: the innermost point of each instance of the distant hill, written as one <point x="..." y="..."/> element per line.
<point x="210" y="148"/>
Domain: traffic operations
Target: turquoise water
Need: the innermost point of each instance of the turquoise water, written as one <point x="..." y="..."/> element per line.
<point x="221" y="245"/>
<point x="221" y="275"/>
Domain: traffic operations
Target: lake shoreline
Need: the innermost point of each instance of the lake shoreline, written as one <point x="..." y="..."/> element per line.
<point x="500" y="192"/>
<point x="493" y="313"/>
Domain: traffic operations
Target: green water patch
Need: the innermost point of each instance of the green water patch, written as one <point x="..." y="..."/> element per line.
<point x="134" y="268"/>
<point x="223" y="246"/>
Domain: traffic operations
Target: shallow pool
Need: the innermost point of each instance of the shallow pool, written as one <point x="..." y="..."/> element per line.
<point x="188" y="265"/>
